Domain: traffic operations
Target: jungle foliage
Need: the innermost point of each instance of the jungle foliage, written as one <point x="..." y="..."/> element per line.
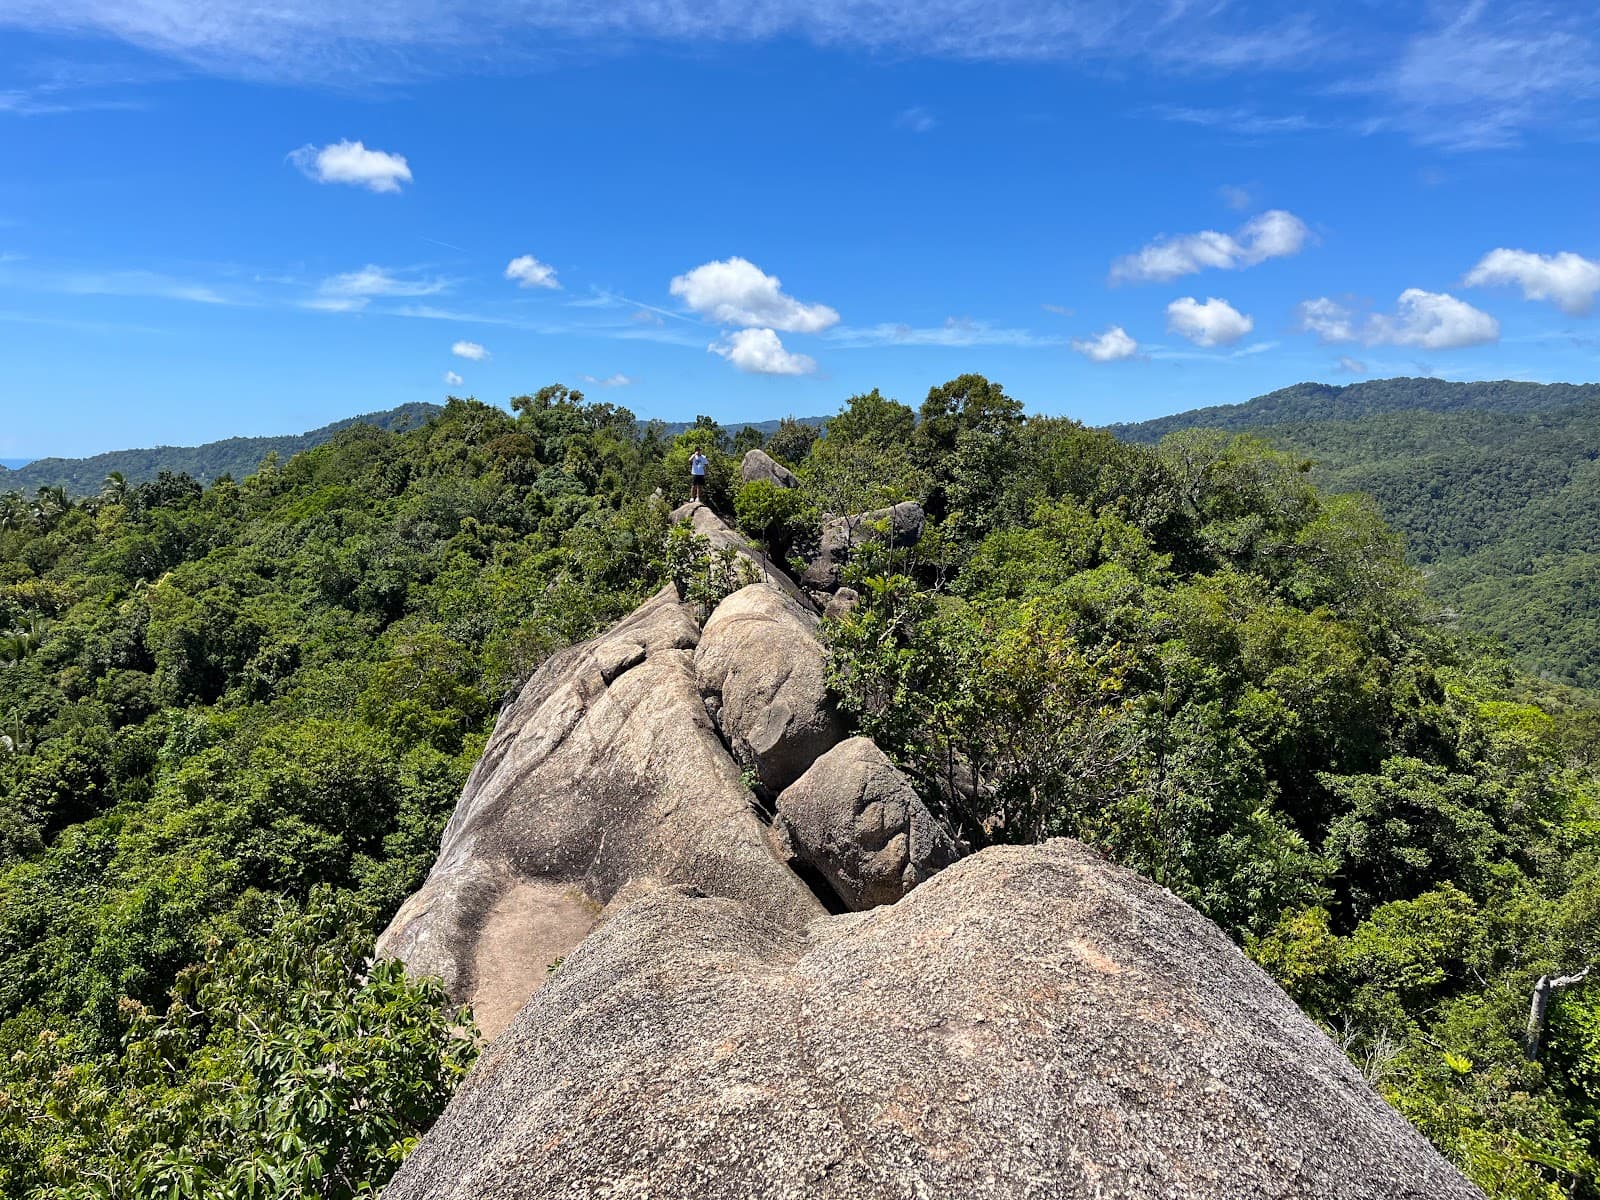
<point x="1495" y="487"/>
<point x="236" y="456"/>
<point x="234" y="718"/>
<point x="1190" y="657"/>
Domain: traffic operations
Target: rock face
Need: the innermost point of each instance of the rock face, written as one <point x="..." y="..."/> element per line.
<point x="901" y="526"/>
<point x="760" y="668"/>
<point x="1030" y="1022"/>
<point x="714" y="529"/>
<point x="856" y="819"/>
<point x="758" y="464"/>
<point x="608" y="769"/>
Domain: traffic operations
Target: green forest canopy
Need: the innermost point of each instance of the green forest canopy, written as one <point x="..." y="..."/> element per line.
<point x="237" y="456"/>
<point x="233" y="719"/>
<point x="1495" y="487"/>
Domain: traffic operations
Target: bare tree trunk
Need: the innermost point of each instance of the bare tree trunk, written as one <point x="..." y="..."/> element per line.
<point x="1538" y="1009"/>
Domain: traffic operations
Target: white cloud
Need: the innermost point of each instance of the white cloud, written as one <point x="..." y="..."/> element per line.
<point x="138" y="283"/>
<point x="1427" y="320"/>
<point x="315" y="41"/>
<point x="470" y="350"/>
<point x="759" y="352"/>
<point x="734" y="291"/>
<point x="352" y="163"/>
<point x="1241" y="122"/>
<point x="1434" y="321"/>
<point x="1353" y="366"/>
<point x="917" y="119"/>
<point x="451" y="379"/>
<point x="1273" y="234"/>
<point x="1214" y="323"/>
<point x="528" y="271"/>
<point x="1235" y="197"/>
<point x="1567" y="280"/>
<point x="955" y="331"/>
<point x="1328" y="319"/>
<point x="353" y="290"/>
<point x="610" y="381"/>
<point x="1111" y="346"/>
<point x="1489" y="72"/>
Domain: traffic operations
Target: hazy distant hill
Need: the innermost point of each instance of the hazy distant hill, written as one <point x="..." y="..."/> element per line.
<point x="1306" y="402"/>
<point x="1496" y="487"/>
<point x="241" y="455"/>
<point x="233" y="456"/>
<point x="765" y="428"/>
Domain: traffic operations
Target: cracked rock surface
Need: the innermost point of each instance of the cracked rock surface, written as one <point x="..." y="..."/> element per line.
<point x="760" y="656"/>
<point x="607" y="769"/>
<point x="1031" y="1022"/>
<point x="855" y="817"/>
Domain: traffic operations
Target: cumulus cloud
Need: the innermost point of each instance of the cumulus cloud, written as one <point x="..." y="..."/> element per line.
<point x="1567" y="280"/>
<point x="1329" y="320"/>
<point x="1111" y="346"/>
<point x="1353" y="366"/>
<point x="451" y="379"/>
<point x="1273" y="234"/>
<point x="1214" y="323"/>
<point x="352" y="163"/>
<point x="528" y="271"/>
<point x="734" y="291"/>
<point x="1435" y="321"/>
<point x="610" y="381"/>
<point x="760" y="352"/>
<point x="470" y="350"/>
<point x="1428" y="320"/>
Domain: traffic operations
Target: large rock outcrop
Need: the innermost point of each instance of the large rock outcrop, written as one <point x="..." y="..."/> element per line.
<point x="1031" y="1022"/>
<point x="898" y="526"/>
<point x="855" y="818"/>
<point x="759" y="465"/>
<point x="608" y="769"/>
<point x="761" y="669"/>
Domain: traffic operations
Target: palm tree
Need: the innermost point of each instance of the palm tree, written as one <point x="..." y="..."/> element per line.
<point x="50" y="504"/>
<point x="17" y="644"/>
<point x="115" y="488"/>
<point x="14" y="735"/>
<point x="13" y="512"/>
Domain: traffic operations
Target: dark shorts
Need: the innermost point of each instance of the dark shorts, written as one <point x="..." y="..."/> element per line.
<point x="697" y="480"/>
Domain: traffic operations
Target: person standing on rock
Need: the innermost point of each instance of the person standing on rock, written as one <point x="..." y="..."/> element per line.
<point x="697" y="475"/>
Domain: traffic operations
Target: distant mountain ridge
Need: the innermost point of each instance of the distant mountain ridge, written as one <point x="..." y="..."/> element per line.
<point x="1305" y="402"/>
<point x="1495" y="486"/>
<point x="765" y="428"/>
<point x="238" y="456"/>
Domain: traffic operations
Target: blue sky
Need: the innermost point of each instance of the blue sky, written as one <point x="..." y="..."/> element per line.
<point x="240" y="218"/>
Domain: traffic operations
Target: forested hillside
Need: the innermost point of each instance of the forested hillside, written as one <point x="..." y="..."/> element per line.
<point x="237" y="717"/>
<point x="1495" y="487"/>
<point x="1313" y="402"/>
<point x="232" y="456"/>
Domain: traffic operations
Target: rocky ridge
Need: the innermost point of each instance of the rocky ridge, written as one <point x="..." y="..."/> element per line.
<point x="672" y="811"/>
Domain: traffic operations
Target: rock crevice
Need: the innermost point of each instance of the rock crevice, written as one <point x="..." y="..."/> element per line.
<point x="609" y="766"/>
